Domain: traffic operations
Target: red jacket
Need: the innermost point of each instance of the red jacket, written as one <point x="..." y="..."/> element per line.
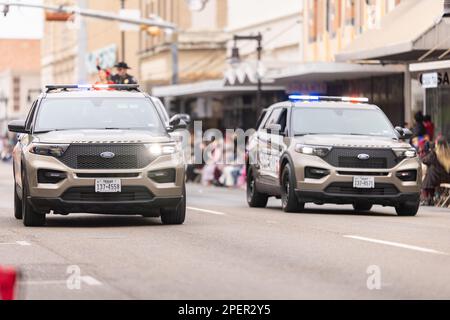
<point x="429" y="127"/>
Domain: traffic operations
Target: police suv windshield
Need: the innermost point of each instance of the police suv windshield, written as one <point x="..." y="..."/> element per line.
<point x="98" y="113"/>
<point x="345" y="121"/>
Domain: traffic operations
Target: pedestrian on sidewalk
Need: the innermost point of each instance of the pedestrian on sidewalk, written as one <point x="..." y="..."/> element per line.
<point x="429" y="126"/>
<point x="419" y="129"/>
<point x="438" y="172"/>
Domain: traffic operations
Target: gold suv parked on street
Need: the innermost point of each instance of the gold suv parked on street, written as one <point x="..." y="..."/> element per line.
<point x="97" y="149"/>
<point x="335" y="150"/>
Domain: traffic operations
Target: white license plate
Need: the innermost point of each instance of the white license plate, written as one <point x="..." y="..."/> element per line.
<point x="364" y="182"/>
<point x="108" y="185"/>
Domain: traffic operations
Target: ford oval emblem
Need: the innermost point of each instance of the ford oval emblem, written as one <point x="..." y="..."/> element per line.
<point x="107" y="155"/>
<point x="363" y="156"/>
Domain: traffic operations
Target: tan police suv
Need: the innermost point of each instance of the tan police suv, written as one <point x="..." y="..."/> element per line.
<point x="335" y="150"/>
<point x="97" y="149"/>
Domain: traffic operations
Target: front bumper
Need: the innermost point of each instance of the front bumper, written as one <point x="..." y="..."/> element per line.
<point x="53" y="196"/>
<point x="337" y="186"/>
<point x="343" y="175"/>
<point x="323" y="197"/>
<point x="146" y="207"/>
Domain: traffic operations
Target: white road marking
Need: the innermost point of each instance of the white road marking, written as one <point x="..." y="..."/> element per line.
<point x="90" y="281"/>
<point x="207" y="211"/>
<point x="23" y="243"/>
<point x="396" y="244"/>
<point x="20" y="243"/>
<point x="44" y="282"/>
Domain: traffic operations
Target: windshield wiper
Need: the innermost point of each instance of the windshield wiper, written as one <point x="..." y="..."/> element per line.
<point x="357" y="134"/>
<point x="367" y="135"/>
<point x="50" y="130"/>
<point x="336" y="133"/>
<point x="309" y="134"/>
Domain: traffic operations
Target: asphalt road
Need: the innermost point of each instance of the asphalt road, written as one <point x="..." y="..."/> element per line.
<point x="229" y="251"/>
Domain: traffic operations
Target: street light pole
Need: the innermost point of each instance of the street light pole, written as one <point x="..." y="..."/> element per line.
<point x="259" y="49"/>
<point x="82" y="74"/>
<point x="122" y="35"/>
<point x="175" y="58"/>
<point x="4" y="101"/>
<point x="259" y="91"/>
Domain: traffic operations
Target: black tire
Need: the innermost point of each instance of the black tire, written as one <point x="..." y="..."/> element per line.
<point x="176" y="215"/>
<point x="362" y="206"/>
<point x="17" y="205"/>
<point x="289" y="200"/>
<point x="408" y="209"/>
<point x="31" y="218"/>
<point x="255" y="199"/>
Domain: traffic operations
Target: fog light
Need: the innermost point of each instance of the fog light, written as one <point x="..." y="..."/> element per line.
<point x="163" y="176"/>
<point x="316" y="173"/>
<point x="51" y="176"/>
<point x="407" y="176"/>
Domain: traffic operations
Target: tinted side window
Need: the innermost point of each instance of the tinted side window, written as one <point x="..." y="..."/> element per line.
<point x="283" y="121"/>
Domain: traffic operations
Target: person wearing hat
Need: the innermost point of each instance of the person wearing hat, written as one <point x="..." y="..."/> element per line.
<point x="122" y="76"/>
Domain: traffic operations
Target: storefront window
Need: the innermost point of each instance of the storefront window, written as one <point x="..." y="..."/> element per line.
<point x="438" y="107"/>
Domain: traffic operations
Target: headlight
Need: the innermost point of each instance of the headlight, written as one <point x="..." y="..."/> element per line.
<point x="320" y="151"/>
<point x="51" y="150"/>
<point x="403" y="153"/>
<point x="157" y="149"/>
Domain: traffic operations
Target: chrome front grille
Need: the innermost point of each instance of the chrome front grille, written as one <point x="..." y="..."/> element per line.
<point x="126" y="156"/>
<point x="348" y="158"/>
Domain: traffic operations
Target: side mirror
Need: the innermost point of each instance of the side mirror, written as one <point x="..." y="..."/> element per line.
<point x="404" y="133"/>
<point x="185" y="117"/>
<point x="274" y="128"/>
<point x="17" y="126"/>
<point x="178" y="122"/>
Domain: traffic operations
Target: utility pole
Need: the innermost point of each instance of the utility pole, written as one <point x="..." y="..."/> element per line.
<point x="175" y="57"/>
<point x="82" y="46"/>
<point x="4" y="101"/>
<point x="122" y="35"/>
<point x="258" y="38"/>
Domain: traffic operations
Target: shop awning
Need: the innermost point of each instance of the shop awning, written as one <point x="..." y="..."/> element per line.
<point x="205" y="88"/>
<point x="407" y="33"/>
<point x="331" y="71"/>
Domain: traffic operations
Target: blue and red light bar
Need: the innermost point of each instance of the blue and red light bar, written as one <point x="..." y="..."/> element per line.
<point x="296" y="97"/>
<point x="92" y="87"/>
